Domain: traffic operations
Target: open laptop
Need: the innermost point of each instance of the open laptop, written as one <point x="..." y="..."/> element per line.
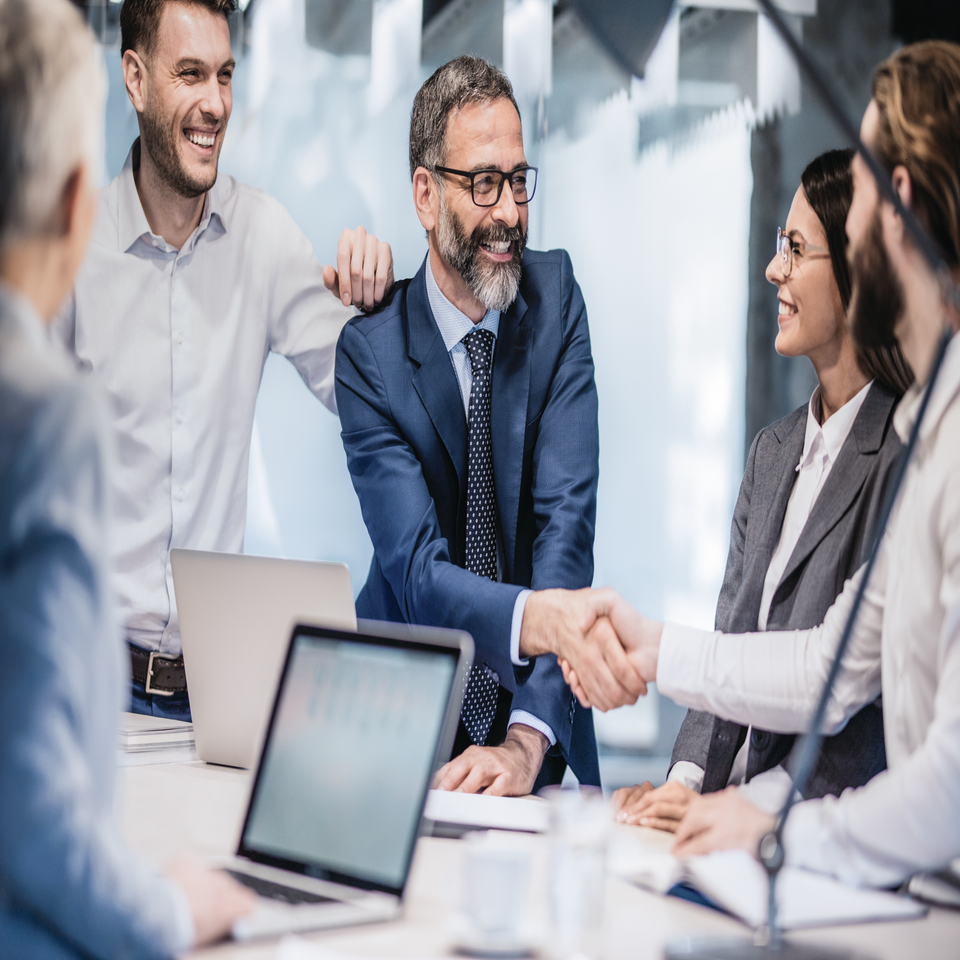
<point x="359" y="725"/>
<point x="236" y="613"/>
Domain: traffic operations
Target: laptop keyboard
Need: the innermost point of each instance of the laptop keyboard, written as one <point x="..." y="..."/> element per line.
<point x="276" y="891"/>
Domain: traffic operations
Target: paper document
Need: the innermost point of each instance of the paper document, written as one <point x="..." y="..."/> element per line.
<point x="736" y="882"/>
<point x="154" y="740"/>
<point x="293" y="947"/>
<point x="488" y="813"/>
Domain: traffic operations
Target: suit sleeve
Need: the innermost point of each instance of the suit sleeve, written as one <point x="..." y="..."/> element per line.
<point x="696" y="732"/>
<point x="66" y="875"/>
<point x="401" y="518"/>
<point x="566" y="469"/>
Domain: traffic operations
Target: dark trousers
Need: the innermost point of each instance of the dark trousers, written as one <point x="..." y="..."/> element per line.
<point x="174" y="707"/>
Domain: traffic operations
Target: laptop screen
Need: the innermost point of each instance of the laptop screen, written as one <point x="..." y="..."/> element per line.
<point x="348" y="757"/>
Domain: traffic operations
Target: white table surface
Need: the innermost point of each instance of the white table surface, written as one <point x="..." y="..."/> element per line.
<point x="195" y="808"/>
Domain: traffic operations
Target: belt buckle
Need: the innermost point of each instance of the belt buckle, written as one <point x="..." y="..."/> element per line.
<point x="156" y="655"/>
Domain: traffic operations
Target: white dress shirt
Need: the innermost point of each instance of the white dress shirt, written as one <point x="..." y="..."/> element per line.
<point x="179" y="338"/>
<point x="821" y="447"/>
<point x="454" y="326"/>
<point x="906" y="644"/>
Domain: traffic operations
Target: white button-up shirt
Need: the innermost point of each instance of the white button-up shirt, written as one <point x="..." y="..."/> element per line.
<point x="178" y="338"/>
<point x="906" y="644"/>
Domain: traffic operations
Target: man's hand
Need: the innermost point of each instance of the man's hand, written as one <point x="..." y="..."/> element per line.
<point x="722" y="821"/>
<point x="505" y="771"/>
<point x="553" y="622"/>
<point x="216" y="901"/>
<point x="364" y="273"/>
<point x="639" y="636"/>
<point x="661" y="808"/>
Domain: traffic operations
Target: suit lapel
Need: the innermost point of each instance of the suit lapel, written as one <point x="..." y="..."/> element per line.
<point x="846" y="476"/>
<point x="774" y="510"/>
<point x="768" y="501"/>
<point x="511" y="388"/>
<point x="435" y="381"/>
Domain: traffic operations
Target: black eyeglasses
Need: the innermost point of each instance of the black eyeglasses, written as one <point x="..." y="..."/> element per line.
<point x="486" y="186"/>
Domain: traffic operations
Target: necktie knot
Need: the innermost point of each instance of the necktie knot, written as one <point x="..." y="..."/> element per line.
<point x="479" y="344"/>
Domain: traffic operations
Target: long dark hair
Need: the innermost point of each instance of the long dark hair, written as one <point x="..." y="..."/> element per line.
<point x="828" y="185"/>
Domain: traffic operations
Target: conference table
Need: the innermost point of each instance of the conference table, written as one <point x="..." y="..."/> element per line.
<point x="194" y="808"/>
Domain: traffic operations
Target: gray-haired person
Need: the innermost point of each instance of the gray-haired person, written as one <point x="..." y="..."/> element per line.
<point x="69" y="887"/>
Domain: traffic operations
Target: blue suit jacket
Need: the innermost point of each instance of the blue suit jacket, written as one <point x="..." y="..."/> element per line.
<point x="405" y="436"/>
<point x="69" y="887"/>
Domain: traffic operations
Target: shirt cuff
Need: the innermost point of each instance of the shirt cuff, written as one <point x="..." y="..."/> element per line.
<point x="529" y="720"/>
<point x="687" y="773"/>
<point x="184" y="931"/>
<point x="518" y="608"/>
<point x="768" y="790"/>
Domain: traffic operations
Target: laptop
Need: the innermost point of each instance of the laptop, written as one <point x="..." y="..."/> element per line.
<point x="359" y="725"/>
<point x="236" y="613"/>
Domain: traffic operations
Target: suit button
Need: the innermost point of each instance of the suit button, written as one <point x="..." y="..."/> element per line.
<point x="759" y="739"/>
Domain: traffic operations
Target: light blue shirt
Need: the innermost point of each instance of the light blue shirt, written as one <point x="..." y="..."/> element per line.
<point x="68" y="883"/>
<point x="454" y="326"/>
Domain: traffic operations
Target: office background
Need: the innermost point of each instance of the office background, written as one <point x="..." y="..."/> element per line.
<point x="666" y="191"/>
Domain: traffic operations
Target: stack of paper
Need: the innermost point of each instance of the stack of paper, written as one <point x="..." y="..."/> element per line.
<point x="477" y="811"/>
<point x="154" y="740"/>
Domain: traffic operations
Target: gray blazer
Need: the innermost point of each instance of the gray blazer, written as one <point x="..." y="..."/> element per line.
<point x="832" y="546"/>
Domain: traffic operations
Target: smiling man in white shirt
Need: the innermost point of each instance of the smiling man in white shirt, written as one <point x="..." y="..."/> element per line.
<point x="907" y="639"/>
<point x="190" y="281"/>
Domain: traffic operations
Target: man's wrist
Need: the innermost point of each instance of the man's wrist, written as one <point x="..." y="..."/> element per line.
<point x="531" y="742"/>
<point x="536" y="635"/>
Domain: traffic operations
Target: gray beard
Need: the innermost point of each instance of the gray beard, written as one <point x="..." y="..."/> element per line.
<point x="495" y="285"/>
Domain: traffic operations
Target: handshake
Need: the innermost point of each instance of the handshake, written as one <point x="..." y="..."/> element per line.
<point x="607" y="650"/>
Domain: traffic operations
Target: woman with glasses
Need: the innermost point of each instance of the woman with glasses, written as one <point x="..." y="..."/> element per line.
<point x="813" y="486"/>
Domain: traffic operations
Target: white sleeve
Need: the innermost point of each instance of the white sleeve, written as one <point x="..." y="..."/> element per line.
<point x="687" y="773"/>
<point x="768" y="790"/>
<point x="904" y="820"/>
<point x="305" y="318"/>
<point x="773" y="680"/>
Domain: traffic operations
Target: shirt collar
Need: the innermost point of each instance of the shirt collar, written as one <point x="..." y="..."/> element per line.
<point x="132" y="221"/>
<point x="834" y="432"/>
<point x="945" y="392"/>
<point x="453" y="323"/>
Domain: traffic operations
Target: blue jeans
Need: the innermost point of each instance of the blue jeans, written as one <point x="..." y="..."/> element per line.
<point x="175" y="707"/>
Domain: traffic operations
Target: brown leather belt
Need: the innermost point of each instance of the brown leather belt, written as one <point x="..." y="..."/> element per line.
<point x="160" y="673"/>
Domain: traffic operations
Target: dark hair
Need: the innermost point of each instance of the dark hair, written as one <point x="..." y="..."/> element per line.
<point x="828" y="185"/>
<point x="457" y="83"/>
<point x="140" y="21"/>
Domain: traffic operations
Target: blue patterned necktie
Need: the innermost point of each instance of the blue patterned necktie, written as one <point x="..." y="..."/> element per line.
<point x="480" y="697"/>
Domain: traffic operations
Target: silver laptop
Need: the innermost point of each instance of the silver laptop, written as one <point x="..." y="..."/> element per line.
<point x="236" y="613"/>
<point x="359" y="725"/>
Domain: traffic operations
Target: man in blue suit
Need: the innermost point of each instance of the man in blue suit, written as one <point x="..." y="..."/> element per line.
<point x="469" y="415"/>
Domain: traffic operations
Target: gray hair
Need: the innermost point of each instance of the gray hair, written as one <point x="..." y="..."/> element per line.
<point x="457" y="83"/>
<point x="52" y="93"/>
